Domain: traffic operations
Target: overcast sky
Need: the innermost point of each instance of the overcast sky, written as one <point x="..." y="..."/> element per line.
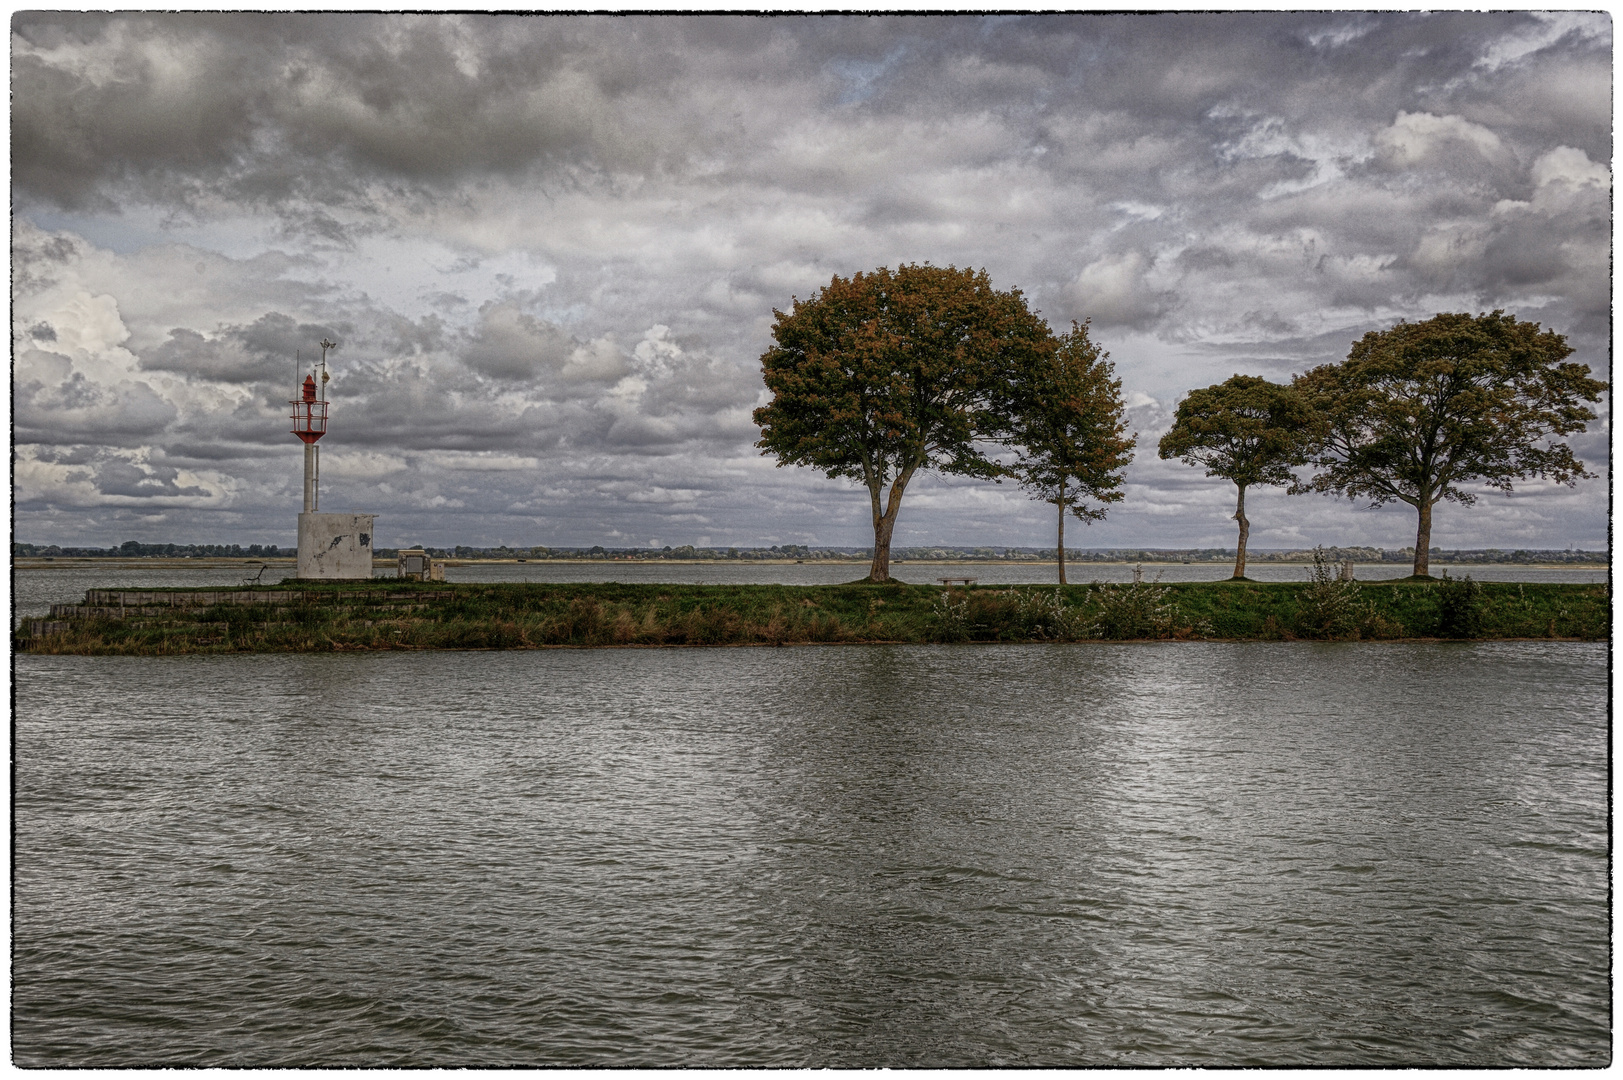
<point x="550" y="247"/>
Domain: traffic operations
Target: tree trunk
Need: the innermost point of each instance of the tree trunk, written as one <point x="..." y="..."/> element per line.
<point x="1060" y="551"/>
<point x="1422" y="540"/>
<point x="1245" y="533"/>
<point x="885" y="524"/>
<point x="876" y="491"/>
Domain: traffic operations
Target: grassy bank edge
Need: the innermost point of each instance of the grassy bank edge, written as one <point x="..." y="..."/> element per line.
<point x="384" y="615"/>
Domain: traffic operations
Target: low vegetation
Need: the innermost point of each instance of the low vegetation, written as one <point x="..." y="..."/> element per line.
<point x="396" y="615"/>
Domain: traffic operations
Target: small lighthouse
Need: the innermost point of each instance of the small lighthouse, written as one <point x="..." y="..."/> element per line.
<point x="330" y="545"/>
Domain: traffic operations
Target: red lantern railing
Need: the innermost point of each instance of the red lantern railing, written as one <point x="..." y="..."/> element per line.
<point x="309" y="413"/>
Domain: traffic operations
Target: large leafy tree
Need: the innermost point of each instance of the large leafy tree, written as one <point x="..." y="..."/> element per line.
<point x="1068" y="429"/>
<point x="1247" y="430"/>
<point x="1425" y="411"/>
<point x="881" y="375"/>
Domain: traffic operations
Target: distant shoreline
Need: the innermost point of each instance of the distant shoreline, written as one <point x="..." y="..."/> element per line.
<point x="117" y="563"/>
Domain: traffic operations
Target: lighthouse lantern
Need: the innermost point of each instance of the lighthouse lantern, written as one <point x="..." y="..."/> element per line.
<point x="309" y="413"/>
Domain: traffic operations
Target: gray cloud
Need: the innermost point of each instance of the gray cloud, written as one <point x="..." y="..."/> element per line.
<point x="513" y="344"/>
<point x="266" y="350"/>
<point x="550" y="246"/>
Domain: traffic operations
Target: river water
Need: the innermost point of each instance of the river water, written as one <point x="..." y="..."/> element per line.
<point x="1180" y="854"/>
<point x="37" y="588"/>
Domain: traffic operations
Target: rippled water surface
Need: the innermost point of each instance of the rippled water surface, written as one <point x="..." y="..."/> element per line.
<point x="1203" y="854"/>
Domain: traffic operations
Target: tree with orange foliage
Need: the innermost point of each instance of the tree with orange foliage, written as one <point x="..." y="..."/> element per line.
<point x="884" y="374"/>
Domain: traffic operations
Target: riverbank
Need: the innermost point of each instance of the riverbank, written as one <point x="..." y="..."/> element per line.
<point x="387" y="615"/>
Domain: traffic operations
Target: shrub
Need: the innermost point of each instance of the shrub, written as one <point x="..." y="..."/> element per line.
<point x="1329" y="607"/>
<point x="1046" y="617"/>
<point x="1127" y="612"/>
<point x="585" y="621"/>
<point x="952" y="619"/>
<point x="994" y="616"/>
<point x="1459" y="607"/>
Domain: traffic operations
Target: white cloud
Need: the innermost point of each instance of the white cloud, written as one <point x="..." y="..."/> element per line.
<point x="1568" y="165"/>
<point x="1414" y="138"/>
<point x="1115" y="289"/>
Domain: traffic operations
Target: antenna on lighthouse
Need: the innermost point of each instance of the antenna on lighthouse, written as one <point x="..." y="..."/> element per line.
<point x="325" y="345"/>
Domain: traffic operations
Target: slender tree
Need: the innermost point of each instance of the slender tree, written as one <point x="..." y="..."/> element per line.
<point x="881" y="375"/>
<point x="1068" y="429"/>
<point x="1423" y="411"/>
<point x="1247" y="430"/>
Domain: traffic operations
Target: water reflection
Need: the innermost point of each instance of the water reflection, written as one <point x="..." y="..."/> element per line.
<point x="1252" y="854"/>
<point x="905" y="859"/>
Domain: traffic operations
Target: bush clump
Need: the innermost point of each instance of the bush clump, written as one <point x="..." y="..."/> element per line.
<point x="1132" y="612"/>
<point x="1045" y="616"/>
<point x="951" y="618"/>
<point x="1460" y="607"/>
<point x="1329" y="608"/>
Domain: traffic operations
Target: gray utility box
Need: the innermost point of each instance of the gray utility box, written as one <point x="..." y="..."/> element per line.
<point x="416" y="565"/>
<point x="335" y="546"/>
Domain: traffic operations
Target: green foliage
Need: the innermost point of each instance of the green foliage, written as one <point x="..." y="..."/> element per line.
<point x="1007" y="615"/>
<point x="1045" y="616"/>
<point x="1247" y="430"/>
<point x="1427" y="411"/>
<point x="1067" y="425"/>
<point x="1460" y="607"/>
<point x="1132" y="612"/>
<point x="515" y="616"/>
<point x="1329" y="607"/>
<point x="952" y="618"/>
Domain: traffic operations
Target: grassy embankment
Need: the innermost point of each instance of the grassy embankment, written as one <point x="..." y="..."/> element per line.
<point x="397" y="615"/>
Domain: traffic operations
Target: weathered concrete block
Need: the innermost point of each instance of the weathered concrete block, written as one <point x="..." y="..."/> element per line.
<point x="335" y="546"/>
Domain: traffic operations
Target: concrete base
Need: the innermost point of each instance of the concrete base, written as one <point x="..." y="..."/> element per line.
<point x="335" y="546"/>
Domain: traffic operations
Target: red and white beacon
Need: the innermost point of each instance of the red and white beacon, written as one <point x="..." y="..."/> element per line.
<point x="330" y="545"/>
<point x="310" y="424"/>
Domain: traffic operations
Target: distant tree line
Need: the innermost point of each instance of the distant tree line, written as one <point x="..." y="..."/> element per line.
<point x="1009" y="554"/>
<point x="130" y="549"/>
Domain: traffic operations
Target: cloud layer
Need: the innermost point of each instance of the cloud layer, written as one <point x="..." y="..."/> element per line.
<point x="550" y="247"/>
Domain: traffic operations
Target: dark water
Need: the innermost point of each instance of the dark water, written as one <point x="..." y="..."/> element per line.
<point x="1202" y="854"/>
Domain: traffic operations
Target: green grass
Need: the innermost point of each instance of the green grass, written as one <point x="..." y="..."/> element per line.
<point x="394" y="615"/>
